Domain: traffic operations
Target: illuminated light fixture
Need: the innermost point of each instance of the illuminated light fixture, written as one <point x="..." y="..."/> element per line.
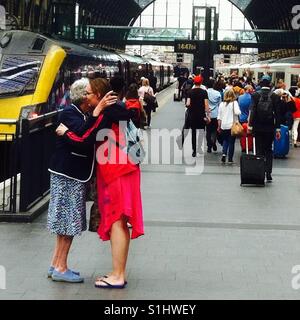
<point x="140" y="67"/>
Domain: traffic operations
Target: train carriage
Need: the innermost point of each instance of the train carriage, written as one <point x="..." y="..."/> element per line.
<point x="36" y="72"/>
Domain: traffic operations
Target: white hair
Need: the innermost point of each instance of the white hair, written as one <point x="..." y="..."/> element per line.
<point x="78" y="89"/>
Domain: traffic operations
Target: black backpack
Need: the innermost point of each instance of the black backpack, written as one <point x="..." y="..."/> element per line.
<point x="264" y="108"/>
<point x="149" y="99"/>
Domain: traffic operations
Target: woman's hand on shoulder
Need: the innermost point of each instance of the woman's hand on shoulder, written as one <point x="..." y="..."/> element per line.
<point x="108" y="100"/>
<point x="61" y="129"/>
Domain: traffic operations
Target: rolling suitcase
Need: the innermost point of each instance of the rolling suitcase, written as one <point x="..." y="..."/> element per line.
<point x="252" y="167"/>
<point x="176" y="95"/>
<point x="282" y="146"/>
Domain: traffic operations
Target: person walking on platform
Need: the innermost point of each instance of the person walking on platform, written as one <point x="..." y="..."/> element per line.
<point x="264" y="118"/>
<point x="198" y="113"/>
<point x="153" y="81"/>
<point x="147" y="97"/>
<point x="181" y="80"/>
<point x="133" y="102"/>
<point x="70" y="169"/>
<point x="245" y="101"/>
<point x="228" y="111"/>
<point x="214" y="100"/>
<point x="118" y="186"/>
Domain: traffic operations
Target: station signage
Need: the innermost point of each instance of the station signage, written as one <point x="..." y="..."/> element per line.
<point x="228" y="47"/>
<point x="186" y="46"/>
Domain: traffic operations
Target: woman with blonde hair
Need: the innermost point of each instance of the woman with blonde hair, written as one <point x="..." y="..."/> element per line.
<point x="146" y="95"/>
<point x="228" y="111"/>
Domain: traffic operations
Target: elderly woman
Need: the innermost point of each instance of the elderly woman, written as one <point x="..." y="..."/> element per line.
<point x="70" y="169"/>
<point x="118" y="185"/>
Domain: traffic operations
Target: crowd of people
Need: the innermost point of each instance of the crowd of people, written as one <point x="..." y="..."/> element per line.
<point x="261" y="108"/>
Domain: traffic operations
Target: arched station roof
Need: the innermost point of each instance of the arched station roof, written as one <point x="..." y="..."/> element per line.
<point x="266" y="14"/>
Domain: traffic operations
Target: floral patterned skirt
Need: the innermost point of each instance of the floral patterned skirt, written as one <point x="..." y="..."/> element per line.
<point x="67" y="210"/>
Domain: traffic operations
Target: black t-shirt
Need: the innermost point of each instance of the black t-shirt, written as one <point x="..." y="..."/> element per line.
<point x="197" y="108"/>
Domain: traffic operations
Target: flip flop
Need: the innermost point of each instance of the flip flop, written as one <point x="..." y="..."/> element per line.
<point x="110" y="286"/>
<point x="106" y="276"/>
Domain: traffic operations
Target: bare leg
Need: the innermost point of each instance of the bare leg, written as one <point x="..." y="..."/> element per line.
<point x="56" y="251"/>
<point x="119" y="239"/>
<point x="62" y="263"/>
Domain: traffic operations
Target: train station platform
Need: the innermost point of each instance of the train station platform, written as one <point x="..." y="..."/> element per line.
<point x="205" y="237"/>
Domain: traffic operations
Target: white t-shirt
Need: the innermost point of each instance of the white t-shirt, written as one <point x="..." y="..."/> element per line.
<point x="226" y="114"/>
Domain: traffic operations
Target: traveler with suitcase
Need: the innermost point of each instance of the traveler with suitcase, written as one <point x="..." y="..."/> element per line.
<point x="263" y="120"/>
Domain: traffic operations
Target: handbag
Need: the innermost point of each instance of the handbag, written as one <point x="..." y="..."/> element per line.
<point x="95" y="214"/>
<point x="94" y="218"/>
<point x="237" y="129"/>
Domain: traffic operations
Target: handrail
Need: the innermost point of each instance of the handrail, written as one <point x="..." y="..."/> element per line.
<point x="8" y="121"/>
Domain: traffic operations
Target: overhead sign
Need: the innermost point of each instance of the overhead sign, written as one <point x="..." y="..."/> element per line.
<point x="228" y="47"/>
<point x="186" y="46"/>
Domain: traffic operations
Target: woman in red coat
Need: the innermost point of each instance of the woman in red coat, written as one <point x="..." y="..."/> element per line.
<point x="118" y="182"/>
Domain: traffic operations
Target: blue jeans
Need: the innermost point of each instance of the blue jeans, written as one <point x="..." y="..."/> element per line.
<point x="228" y="144"/>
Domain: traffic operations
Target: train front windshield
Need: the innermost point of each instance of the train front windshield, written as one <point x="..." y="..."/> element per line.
<point x="19" y="74"/>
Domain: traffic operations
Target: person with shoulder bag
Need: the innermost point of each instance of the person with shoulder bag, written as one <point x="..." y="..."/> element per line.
<point x="228" y="110"/>
<point x="147" y="97"/>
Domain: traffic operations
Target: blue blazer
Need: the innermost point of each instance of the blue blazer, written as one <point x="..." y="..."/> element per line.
<point x="68" y="160"/>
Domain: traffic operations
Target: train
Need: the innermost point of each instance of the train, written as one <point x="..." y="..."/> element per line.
<point x="37" y="70"/>
<point x="287" y="69"/>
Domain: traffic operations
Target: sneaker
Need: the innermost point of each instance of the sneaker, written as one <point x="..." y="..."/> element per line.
<point x="67" y="276"/>
<point x="223" y="159"/>
<point x="215" y="148"/>
<point x="208" y="150"/>
<point x="295" y="145"/>
<point x="269" y="177"/>
<point x="51" y="269"/>
<point x="230" y="162"/>
<point x="194" y="154"/>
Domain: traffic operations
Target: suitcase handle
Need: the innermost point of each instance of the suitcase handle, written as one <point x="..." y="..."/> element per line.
<point x="247" y="145"/>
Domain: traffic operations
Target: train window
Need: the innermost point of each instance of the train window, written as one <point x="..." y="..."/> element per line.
<point x="19" y="74"/>
<point x="38" y="44"/>
<point x="294" y="79"/>
<point x="279" y="75"/>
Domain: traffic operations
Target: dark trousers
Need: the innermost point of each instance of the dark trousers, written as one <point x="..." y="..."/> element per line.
<point x="264" y="147"/>
<point x="148" y="113"/>
<point x="197" y="139"/>
<point x="211" y="133"/>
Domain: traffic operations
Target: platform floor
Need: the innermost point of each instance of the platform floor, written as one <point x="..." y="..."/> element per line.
<point x="206" y="237"/>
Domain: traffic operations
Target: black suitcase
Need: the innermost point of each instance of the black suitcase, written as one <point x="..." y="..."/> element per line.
<point x="253" y="168"/>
